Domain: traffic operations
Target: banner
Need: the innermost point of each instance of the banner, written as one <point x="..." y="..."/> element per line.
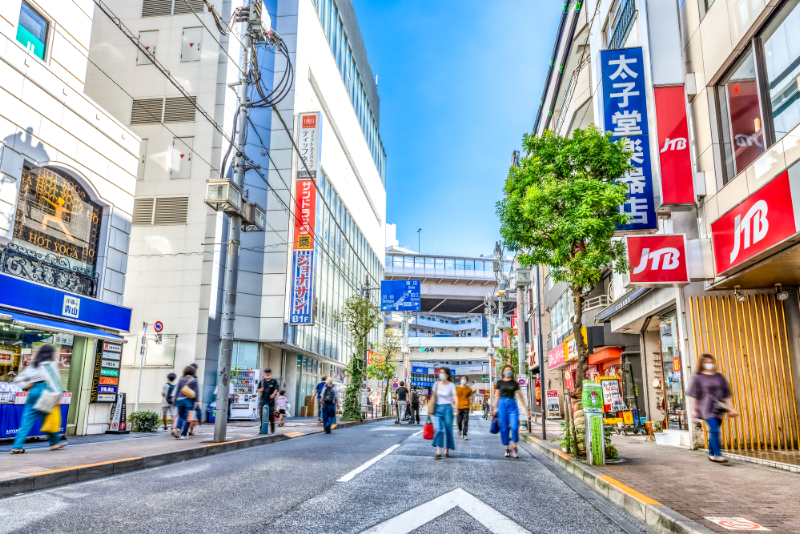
<point x="301" y="312"/>
<point x="118" y="423"/>
<point x="105" y="377"/>
<point x="677" y="177"/>
<point x="553" y="409"/>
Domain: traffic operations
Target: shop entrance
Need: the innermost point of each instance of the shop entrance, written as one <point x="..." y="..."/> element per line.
<point x="673" y="401"/>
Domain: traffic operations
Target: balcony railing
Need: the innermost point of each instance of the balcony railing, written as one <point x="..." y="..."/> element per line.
<point x="49" y="269"/>
<point x="600" y="301"/>
<point x="624" y="24"/>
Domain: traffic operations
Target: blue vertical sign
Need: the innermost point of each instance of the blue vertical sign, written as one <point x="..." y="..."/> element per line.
<point x="301" y="312"/>
<point x="625" y="115"/>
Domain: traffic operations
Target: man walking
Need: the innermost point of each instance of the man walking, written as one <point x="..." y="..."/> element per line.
<point x="330" y="402"/>
<point x="414" y="406"/>
<point x="167" y="396"/>
<point x="402" y="401"/>
<point x="268" y="388"/>
<point x="464" y="393"/>
<point x="318" y="398"/>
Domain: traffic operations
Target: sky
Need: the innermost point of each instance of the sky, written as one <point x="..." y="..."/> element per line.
<point x="459" y="83"/>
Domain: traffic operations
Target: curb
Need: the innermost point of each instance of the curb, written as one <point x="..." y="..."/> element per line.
<point x="84" y="473"/>
<point x="651" y="513"/>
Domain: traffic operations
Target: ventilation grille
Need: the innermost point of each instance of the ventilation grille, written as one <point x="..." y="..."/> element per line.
<point x="147" y="111"/>
<point x="158" y="8"/>
<point x="171" y="210"/>
<point x="179" y="109"/>
<point x="143" y="211"/>
<point x="182" y="7"/>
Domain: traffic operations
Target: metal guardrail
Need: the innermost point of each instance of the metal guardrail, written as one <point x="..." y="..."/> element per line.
<point x="600" y="301"/>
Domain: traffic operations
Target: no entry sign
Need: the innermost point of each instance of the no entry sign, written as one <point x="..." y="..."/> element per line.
<point x="736" y="523"/>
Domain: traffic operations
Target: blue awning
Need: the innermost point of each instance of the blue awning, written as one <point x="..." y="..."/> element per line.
<point x="21" y="319"/>
<point x="623" y="302"/>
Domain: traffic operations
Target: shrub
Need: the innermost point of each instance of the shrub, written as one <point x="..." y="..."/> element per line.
<point x="144" y="421"/>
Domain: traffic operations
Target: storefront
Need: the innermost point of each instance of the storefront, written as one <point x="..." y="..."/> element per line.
<point x="310" y="371"/>
<point x="33" y="315"/>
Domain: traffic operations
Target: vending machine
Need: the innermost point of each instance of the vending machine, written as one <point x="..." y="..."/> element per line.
<point x="245" y="385"/>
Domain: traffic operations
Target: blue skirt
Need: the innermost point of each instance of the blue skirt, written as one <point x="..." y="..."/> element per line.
<point x="444" y="429"/>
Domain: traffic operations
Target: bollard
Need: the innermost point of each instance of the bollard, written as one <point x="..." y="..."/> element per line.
<point x="264" y="423"/>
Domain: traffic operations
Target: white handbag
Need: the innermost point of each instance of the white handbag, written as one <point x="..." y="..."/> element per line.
<point x="48" y="399"/>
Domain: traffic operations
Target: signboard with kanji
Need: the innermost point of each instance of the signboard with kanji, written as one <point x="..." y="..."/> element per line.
<point x="400" y="295"/>
<point x="625" y="116"/>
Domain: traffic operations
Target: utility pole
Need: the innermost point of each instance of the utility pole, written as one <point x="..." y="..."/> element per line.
<point x="419" y="240"/>
<point x="232" y="273"/>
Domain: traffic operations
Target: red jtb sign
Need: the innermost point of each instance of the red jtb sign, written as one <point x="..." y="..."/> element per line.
<point x="657" y="259"/>
<point x="760" y="222"/>
<point x="677" y="177"/>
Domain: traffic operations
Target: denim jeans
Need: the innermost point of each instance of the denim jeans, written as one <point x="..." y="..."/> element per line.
<point x="714" y="448"/>
<point x="185" y="405"/>
<point x="508" y="417"/>
<point x="29" y="416"/>
<point x="328" y="415"/>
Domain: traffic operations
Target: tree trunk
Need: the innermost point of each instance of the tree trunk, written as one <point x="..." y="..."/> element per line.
<point x="583" y="365"/>
<point x="385" y="398"/>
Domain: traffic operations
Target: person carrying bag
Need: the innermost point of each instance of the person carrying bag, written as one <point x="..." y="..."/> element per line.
<point x="44" y="396"/>
<point x="186" y="401"/>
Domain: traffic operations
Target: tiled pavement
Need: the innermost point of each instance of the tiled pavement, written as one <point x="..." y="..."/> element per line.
<point x="687" y="482"/>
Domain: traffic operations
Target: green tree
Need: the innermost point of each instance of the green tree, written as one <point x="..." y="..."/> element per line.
<point x="561" y="209"/>
<point x="360" y="316"/>
<point x="385" y="361"/>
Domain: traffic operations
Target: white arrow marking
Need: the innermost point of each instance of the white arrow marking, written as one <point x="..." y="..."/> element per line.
<point x="349" y="476"/>
<point x="480" y="511"/>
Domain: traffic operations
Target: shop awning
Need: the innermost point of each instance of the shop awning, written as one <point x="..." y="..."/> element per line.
<point x="30" y="321"/>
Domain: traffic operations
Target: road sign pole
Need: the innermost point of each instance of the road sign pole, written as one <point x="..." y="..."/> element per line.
<point x="141" y="364"/>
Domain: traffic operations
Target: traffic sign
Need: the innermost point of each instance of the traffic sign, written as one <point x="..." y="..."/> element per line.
<point x="394" y="379"/>
<point x="394" y="385"/>
<point x="522" y="381"/>
<point x="158" y="326"/>
<point x="400" y="295"/>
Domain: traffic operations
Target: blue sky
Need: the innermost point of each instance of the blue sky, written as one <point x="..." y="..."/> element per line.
<point x="460" y="83"/>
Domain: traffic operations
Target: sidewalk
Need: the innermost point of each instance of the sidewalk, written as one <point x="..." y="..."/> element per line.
<point x="89" y="457"/>
<point x="685" y="481"/>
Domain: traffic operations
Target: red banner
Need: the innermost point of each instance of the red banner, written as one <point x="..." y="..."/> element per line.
<point x="305" y="215"/>
<point x="677" y="177"/>
<point x="657" y="259"/>
<point x="762" y="221"/>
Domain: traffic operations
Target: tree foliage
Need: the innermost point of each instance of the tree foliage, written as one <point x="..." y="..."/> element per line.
<point x="360" y="316"/>
<point x="384" y="362"/>
<point x="510" y="355"/>
<point x="561" y="209"/>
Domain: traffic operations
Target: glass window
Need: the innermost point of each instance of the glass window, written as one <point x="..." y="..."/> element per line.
<point x="782" y="57"/>
<point x="419" y="263"/>
<point x="670" y="359"/>
<point x="32" y="30"/>
<point x="739" y="103"/>
<point x="449" y="264"/>
<point x="459" y="265"/>
<point x="409" y="263"/>
<point x="398" y="261"/>
<point x="439" y="263"/>
<point x="469" y="265"/>
<point x="429" y="263"/>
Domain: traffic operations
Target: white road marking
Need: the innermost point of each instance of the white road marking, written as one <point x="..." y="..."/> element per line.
<point x="349" y="476"/>
<point x="416" y="433"/>
<point x="480" y="511"/>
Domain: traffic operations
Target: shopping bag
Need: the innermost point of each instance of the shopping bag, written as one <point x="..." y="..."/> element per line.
<point x="427" y="430"/>
<point x="495" y="428"/>
<point x="52" y="423"/>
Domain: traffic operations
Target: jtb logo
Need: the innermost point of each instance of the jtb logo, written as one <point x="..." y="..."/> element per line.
<point x="756" y="217"/>
<point x="674" y="144"/>
<point x="658" y="259"/>
<point x="671" y="256"/>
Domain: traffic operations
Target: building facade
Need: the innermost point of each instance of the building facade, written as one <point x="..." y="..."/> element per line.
<point x="179" y="244"/>
<point x="67" y="176"/>
<point x="714" y="145"/>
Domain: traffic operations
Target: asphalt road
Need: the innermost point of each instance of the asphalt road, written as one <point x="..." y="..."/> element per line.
<point x="294" y="487"/>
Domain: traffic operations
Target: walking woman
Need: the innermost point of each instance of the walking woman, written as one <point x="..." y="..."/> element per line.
<point x="186" y="399"/>
<point x="711" y="400"/>
<point x="443" y="404"/>
<point x="505" y="407"/>
<point x="39" y="377"/>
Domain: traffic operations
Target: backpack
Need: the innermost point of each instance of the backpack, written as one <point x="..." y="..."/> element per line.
<point x="328" y="395"/>
<point x="170" y="391"/>
<point x="414" y="397"/>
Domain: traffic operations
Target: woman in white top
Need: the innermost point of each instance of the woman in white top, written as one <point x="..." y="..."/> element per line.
<point x="444" y="402"/>
<point x="39" y="377"/>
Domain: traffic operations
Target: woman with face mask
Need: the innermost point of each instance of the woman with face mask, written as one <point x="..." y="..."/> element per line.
<point x="711" y="401"/>
<point x="505" y="407"/>
<point x="443" y="404"/>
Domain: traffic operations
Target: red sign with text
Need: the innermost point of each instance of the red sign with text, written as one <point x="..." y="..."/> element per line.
<point x="305" y="215"/>
<point x="657" y="259"/>
<point x="762" y="221"/>
<point x="677" y="177"/>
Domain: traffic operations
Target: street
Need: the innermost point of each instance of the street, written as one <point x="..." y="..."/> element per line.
<point x="318" y="484"/>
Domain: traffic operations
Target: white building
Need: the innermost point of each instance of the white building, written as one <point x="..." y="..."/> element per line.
<point x="67" y="180"/>
<point x="177" y="266"/>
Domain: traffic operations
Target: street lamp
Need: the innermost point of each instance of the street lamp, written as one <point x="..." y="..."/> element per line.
<point x="224" y="195"/>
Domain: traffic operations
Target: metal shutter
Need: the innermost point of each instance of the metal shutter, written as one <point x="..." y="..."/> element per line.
<point x="157" y="8"/>
<point x="172" y="210"/>
<point x="147" y="111"/>
<point x="143" y="211"/>
<point x="182" y="7"/>
<point x="179" y="109"/>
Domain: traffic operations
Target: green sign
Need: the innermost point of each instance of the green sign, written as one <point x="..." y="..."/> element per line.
<point x="598" y="445"/>
<point x="592" y="398"/>
<point x="109" y="372"/>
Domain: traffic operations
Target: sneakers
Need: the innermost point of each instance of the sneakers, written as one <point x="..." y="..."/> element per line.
<point x="508" y="453"/>
<point x="514" y="453"/>
<point x="465" y="437"/>
<point x="184" y="437"/>
<point x="459" y="434"/>
<point x="176" y="434"/>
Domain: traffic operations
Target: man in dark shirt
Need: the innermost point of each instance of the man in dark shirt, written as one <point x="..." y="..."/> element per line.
<point x="268" y="389"/>
<point x="414" y="405"/>
<point x="402" y="400"/>
<point x="320" y="386"/>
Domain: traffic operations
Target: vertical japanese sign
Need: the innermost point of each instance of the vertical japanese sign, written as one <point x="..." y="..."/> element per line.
<point x="625" y="115"/>
<point x="302" y="299"/>
<point x="677" y="178"/>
